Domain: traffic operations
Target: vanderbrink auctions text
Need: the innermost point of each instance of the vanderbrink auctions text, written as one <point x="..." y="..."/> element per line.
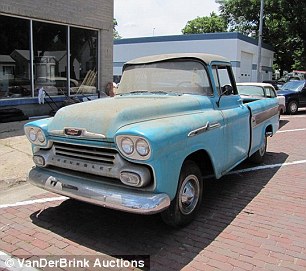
<point x="90" y="262"/>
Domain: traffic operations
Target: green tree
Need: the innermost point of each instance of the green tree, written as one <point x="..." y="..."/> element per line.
<point x="208" y="24"/>
<point x="115" y="32"/>
<point x="296" y="18"/>
<point x="284" y="27"/>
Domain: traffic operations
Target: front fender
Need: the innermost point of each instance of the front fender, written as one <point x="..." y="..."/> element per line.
<point x="171" y="143"/>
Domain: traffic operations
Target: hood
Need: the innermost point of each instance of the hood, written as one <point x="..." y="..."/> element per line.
<point x="284" y="92"/>
<point x="105" y="116"/>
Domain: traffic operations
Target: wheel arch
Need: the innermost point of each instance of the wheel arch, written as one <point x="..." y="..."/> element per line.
<point x="269" y="130"/>
<point x="204" y="162"/>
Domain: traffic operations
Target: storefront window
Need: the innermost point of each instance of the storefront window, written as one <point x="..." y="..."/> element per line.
<point x="14" y="58"/>
<point x="83" y="60"/>
<point x="50" y="58"/>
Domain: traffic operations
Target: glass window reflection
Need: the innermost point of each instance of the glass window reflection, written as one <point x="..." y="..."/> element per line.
<point x="50" y="58"/>
<point x="83" y="60"/>
<point x="14" y="58"/>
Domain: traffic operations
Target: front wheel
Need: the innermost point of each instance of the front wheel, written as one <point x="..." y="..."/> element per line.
<point x="187" y="201"/>
<point x="292" y="107"/>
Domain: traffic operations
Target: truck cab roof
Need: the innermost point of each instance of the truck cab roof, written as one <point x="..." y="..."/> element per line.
<point x="206" y="58"/>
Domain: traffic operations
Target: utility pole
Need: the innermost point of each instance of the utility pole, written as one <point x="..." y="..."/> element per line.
<point x="260" y="41"/>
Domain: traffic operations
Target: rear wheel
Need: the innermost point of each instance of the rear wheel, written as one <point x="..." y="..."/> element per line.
<point x="187" y="201"/>
<point x="292" y="107"/>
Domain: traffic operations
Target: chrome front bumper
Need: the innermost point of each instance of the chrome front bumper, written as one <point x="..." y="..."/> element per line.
<point x="109" y="196"/>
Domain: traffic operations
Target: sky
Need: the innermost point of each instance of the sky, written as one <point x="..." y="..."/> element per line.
<point x="147" y="18"/>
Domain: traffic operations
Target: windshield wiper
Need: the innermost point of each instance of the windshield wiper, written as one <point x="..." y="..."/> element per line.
<point x="149" y="92"/>
<point x="138" y="91"/>
<point x="159" y="92"/>
<point x="134" y="92"/>
<point x="166" y="92"/>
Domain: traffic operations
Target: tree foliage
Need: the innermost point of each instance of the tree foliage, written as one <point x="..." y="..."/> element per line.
<point x="284" y="27"/>
<point x="115" y="32"/>
<point x="208" y="24"/>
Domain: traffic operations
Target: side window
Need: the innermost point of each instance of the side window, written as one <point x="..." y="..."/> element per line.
<point x="216" y="79"/>
<point x="223" y="77"/>
<point x="203" y="81"/>
<point x="269" y="92"/>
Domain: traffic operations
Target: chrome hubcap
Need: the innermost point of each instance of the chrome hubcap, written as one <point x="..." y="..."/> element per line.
<point x="293" y="107"/>
<point x="262" y="150"/>
<point x="189" y="194"/>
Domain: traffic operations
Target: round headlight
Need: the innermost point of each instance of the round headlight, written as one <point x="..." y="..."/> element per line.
<point x="142" y="147"/>
<point x="32" y="135"/>
<point x="127" y="145"/>
<point x="41" y="137"/>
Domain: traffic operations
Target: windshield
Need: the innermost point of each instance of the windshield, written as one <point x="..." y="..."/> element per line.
<point x="293" y="85"/>
<point x="251" y="90"/>
<point x="169" y="77"/>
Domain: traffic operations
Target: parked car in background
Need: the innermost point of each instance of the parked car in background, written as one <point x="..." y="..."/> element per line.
<point x="291" y="76"/>
<point x="59" y="82"/>
<point x="55" y="85"/>
<point x="15" y="88"/>
<point x="264" y="90"/>
<point x="295" y="95"/>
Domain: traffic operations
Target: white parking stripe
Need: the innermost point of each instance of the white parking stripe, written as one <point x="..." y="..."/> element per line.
<point x="267" y="167"/>
<point x="293" y="130"/>
<point x="293" y="116"/>
<point x="29" y="202"/>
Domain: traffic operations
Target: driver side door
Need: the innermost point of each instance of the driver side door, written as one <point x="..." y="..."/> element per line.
<point x="236" y="116"/>
<point x="303" y="96"/>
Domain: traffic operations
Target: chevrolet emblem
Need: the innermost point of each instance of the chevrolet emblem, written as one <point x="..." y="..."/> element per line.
<point x="73" y="132"/>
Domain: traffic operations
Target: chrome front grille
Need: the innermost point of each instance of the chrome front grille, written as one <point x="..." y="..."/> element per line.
<point x="85" y="153"/>
<point x="89" y="162"/>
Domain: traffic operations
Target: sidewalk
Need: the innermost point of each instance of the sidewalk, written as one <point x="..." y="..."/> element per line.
<point x="15" y="163"/>
<point x="15" y="154"/>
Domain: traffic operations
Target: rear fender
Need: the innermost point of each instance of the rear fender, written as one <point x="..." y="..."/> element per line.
<point x="264" y="121"/>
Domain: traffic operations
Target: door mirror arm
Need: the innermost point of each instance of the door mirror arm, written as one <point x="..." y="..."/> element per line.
<point x="225" y="90"/>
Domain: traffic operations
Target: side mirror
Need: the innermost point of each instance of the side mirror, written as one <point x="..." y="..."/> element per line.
<point x="226" y="90"/>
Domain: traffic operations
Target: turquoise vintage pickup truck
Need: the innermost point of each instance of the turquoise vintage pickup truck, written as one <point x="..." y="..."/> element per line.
<point x="174" y="120"/>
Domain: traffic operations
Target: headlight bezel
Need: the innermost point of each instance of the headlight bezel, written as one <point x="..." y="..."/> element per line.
<point x="127" y="143"/>
<point x="145" y="146"/>
<point x="136" y="140"/>
<point x="32" y="135"/>
<point x="35" y="135"/>
<point x="41" y="136"/>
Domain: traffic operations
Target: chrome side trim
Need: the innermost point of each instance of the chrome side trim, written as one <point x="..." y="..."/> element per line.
<point x="204" y="128"/>
<point x="263" y="116"/>
<point x="109" y="196"/>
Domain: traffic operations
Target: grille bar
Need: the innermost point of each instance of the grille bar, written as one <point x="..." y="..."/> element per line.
<point x="88" y="153"/>
<point x="81" y="150"/>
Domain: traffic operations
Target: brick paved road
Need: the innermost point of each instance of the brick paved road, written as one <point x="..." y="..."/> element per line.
<point x="254" y="220"/>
